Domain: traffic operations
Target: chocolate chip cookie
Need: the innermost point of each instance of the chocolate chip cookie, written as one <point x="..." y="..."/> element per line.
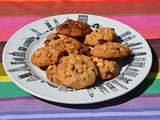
<point x="73" y="28"/>
<point x="41" y="57"/>
<point x="107" y="69"/>
<point x="110" y="50"/>
<point x="100" y="36"/>
<point x="44" y="56"/>
<point x="71" y="45"/>
<point x="77" y="71"/>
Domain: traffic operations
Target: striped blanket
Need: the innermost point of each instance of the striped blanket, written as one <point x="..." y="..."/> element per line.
<point x="143" y="103"/>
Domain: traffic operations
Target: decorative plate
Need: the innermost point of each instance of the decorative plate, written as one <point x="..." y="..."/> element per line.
<point x="19" y="48"/>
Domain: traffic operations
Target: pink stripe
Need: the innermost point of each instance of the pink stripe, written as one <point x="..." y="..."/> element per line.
<point x="10" y="24"/>
<point x="147" y="25"/>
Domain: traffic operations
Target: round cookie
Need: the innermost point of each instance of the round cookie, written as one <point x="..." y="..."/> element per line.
<point x="107" y="69"/>
<point x="71" y="45"/>
<point x="52" y="75"/>
<point x="100" y="36"/>
<point x="40" y="57"/>
<point x="77" y="71"/>
<point x="73" y="28"/>
<point x="44" y="56"/>
<point x="110" y="50"/>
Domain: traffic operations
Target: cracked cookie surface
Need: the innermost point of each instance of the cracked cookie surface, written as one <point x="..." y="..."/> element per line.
<point x="73" y="28"/>
<point x="100" y="36"/>
<point x="110" y="50"/>
<point x="71" y="45"/>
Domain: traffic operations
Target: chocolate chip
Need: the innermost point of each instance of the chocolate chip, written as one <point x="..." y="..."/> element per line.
<point x="47" y="41"/>
<point x="65" y="26"/>
<point x="56" y="37"/>
<point x="65" y="53"/>
<point x="101" y="41"/>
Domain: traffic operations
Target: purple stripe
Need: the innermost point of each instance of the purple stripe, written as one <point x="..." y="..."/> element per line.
<point x="150" y="95"/>
<point x="104" y="118"/>
<point x="80" y="111"/>
<point x="38" y="105"/>
<point x="153" y="114"/>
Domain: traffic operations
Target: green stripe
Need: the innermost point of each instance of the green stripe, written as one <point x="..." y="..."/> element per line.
<point x="9" y="89"/>
<point x="154" y="88"/>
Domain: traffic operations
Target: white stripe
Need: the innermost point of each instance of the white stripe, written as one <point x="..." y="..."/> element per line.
<point x="100" y="114"/>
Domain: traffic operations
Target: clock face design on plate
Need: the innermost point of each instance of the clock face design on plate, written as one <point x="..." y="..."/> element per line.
<point x="18" y="51"/>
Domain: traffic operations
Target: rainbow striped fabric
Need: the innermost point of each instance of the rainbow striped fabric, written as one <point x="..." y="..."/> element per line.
<point x="143" y="103"/>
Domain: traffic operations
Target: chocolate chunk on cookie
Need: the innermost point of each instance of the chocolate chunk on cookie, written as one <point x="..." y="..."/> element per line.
<point x="107" y="69"/>
<point x="110" y="50"/>
<point x="100" y="36"/>
<point x="73" y="28"/>
<point x="77" y="71"/>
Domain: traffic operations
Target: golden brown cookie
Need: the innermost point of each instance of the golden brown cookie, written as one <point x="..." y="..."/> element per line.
<point x="77" y="71"/>
<point x="73" y="28"/>
<point x="52" y="75"/>
<point x="107" y="69"/>
<point x="44" y="56"/>
<point x="71" y="45"/>
<point x="110" y="50"/>
<point x="40" y="57"/>
<point x="100" y="36"/>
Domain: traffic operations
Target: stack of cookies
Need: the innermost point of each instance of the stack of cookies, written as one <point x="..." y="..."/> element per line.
<point x="76" y="64"/>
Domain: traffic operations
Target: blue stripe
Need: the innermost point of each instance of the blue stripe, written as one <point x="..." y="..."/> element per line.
<point x="78" y="111"/>
<point x="103" y="118"/>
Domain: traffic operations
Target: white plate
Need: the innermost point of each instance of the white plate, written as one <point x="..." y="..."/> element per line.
<point x="19" y="48"/>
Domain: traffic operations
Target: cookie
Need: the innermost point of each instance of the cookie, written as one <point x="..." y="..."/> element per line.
<point x="73" y="28"/>
<point x="107" y="69"/>
<point x="71" y="45"/>
<point x="40" y="57"/>
<point x="44" y="56"/>
<point x="52" y="75"/>
<point x="77" y="71"/>
<point x="110" y="50"/>
<point x="100" y="36"/>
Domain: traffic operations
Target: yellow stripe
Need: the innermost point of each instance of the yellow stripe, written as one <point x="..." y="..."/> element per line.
<point x="5" y="79"/>
<point x="2" y="71"/>
<point x="152" y="75"/>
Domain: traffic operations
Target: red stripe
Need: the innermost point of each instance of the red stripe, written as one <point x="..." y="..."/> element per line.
<point x="49" y="8"/>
